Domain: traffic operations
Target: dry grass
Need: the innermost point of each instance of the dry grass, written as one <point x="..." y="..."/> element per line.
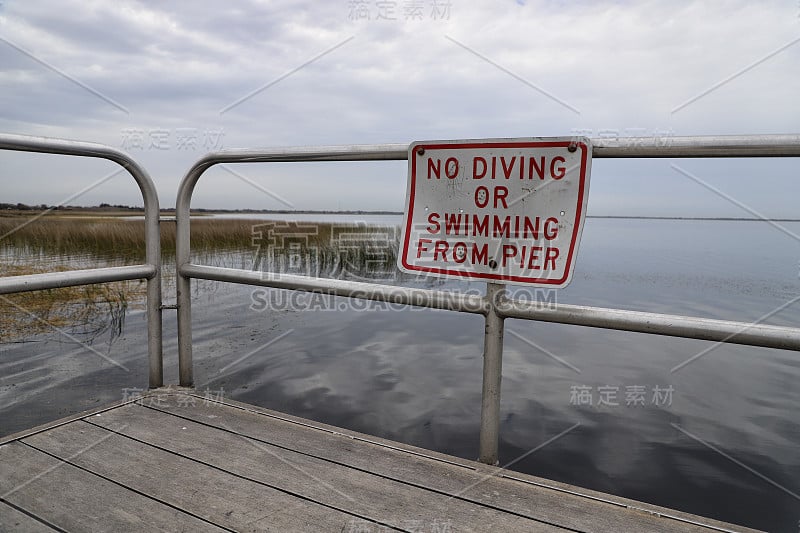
<point x="87" y="311"/>
<point x="93" y="309"/>
<point x="114" y="237"/>
<point x="124" y="239"/>
<point x="86" y="241"/>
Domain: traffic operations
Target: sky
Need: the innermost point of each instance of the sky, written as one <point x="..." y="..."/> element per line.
<point x="169" y="81"/>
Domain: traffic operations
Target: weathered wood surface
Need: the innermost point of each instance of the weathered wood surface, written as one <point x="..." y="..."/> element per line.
<point x="13" y="520"/>
<point x="180" y="462"/>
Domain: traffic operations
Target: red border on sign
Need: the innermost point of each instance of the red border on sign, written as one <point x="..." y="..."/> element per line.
<point x="498" y="277"/>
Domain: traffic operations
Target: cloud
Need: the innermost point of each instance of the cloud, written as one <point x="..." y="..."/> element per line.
<point x="624" y="66"/>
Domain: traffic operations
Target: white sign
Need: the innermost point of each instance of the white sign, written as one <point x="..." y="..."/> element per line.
<point x="502" y="210"/>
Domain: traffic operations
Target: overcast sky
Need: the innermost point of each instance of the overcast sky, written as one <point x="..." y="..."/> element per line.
<point x="170" y="81"/>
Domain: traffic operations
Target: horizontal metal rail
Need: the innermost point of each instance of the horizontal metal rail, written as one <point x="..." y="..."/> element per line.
<point x="689" y="327"/>
<point x="495" y="306"/>
<point x="72" y="278"/>
<point x="151" y="270"/>
<point x="618" y="147"/>
<point x="704" y="146"/>
<point x="707" y="329"/>
<point x="450" y="301"/>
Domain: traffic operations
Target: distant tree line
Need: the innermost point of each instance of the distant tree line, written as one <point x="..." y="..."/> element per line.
<point x="40" y="207"/>
<point x="120" y="207"/>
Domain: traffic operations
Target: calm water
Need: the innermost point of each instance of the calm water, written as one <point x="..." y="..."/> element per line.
<point x="718" y="437"/>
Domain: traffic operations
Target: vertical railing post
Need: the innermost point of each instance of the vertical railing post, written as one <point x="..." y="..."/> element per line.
<point x="492" y="377"/>
<point x="154" y="297"/>
<point x="183" y="283"/>
<point x="183" y="287"/>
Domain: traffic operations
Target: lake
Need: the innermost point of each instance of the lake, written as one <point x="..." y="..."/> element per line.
<point x="595" y="408"/>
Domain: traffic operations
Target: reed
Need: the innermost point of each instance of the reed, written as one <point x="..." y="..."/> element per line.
<point x="87" y="311"/>
<point x="115" y="238"/>
<point x="57" y="243"/>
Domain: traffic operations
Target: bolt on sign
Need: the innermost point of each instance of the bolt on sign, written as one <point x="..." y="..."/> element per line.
<point x="502" y="210"/>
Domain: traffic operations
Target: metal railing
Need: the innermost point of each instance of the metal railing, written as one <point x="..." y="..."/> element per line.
<point x="495" y="305"/>
<point x="150" y="270"/>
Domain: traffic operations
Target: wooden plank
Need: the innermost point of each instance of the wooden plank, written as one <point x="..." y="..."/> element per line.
<point x="66" y="420"/>
<point x="379" y="499"/>
<point x="77" y="500"/>
<point x="217" y="496"/>
<point x="388" y="482"/>
<point x="14" y="520"/>
<point x="470" y="481"/>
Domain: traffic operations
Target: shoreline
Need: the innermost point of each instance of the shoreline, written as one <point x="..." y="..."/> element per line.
<point x="101" y="212"/>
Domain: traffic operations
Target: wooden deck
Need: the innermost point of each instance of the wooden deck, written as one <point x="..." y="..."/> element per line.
<point x="176" y="461"/>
